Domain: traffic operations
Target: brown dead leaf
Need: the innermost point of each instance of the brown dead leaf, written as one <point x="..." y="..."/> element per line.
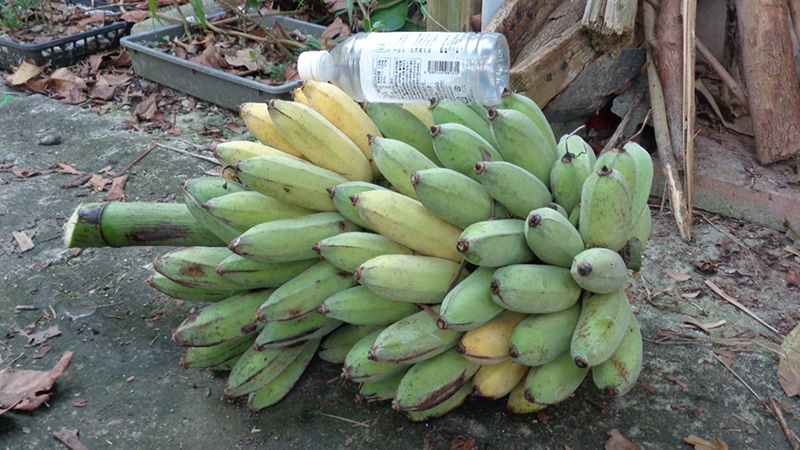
<point x="40" y="337"/>
<point x="67" y="169"/>
<point x="26" y="390"/>
<point x="25" y="173"/>
<point x="135" y="16"/>
<point x="678" y="276"/>
<point x="99" y="182"/>
<point x="789" y="367"/>
<point x="76" y="182"/>
<point x="209" y="58"/>
<point x="702" y="444"/>
<point x="148" y="109"/>
<point x="793" y="277"/>
<point x="336" y="28"/>
<point x="335" y="5"/>
<point x="290" y="74"/>
<point x="243" y="58"/>
<point x="706" y="327"/>
<point x="117" y="191"/>
<point x="618" y="442"/>
<point x="93" y="19"/>
<point x="70" y="439"/>
<point x="43" y="350"/>
<point x="26" y="71"/>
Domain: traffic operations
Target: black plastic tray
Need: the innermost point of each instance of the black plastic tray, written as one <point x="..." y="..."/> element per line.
<point x="64" y="51"/>
<point x="213" y="85"/>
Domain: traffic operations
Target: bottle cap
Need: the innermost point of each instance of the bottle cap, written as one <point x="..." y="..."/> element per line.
<point x="315" y="65"/>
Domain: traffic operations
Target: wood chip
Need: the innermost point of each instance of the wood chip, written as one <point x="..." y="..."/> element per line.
<point x="25" y="243"/>
<point x="678" y="276"/>
<point x="672" y="379"/>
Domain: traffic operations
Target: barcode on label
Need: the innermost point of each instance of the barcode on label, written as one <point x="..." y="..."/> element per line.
<point x="447" y="67"/>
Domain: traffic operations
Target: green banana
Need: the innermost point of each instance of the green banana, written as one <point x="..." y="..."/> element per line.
<point x="498" y="380"/>
<point x="580" y="150"/>
<point x="640" y="193"/>
<point x="193" y="294"/>
<point x="397" y="161"/>
<point x="451" y="196"/>
<point x="382" y="390"/>
<point x="341" y="194"/>
<point x="623" y="162"/>
<point x="221" y="322"/>
<point x="605" y="217"/>
<point x="632" y="254"/>
<point x="204" y="357"/>
<point x="289" y="181"/>
<point x="291" y="332"/>
<point x="244" y="210"/>
<point x="469" y="304"/>
<point x="642" y="224"/>
<point x="601" y="327"/>
<point x="226" y="366"/>
<point x="255" y="369"/>
<point x="495" y="243"/>
<point x="408" y="223"/>
<point x="640" y="233"/>
<point x="452" y="111"/>
<point x="518" y="404"/>
<point x="280" y="386"/>
<point x="289" y="239"/>
<point x="251" y="274"/>
<point x="459" y="148"/>
<point x="525" y="105"/>
<point x="409" y="278"/>
<point x="518" y="190"/>
<point x="566" y="180"/>
<point x="540" y="338"/>
<point x="231" y="152"/>
<point x="348" y="251"/>
<point x="360" y="369"/>
<point x="560" y="209"/>
<point x="552" y="238"/>
<point x="618" y="375"/>
<point x="430" y="382"/>
<point x="335" y="346"/>
<point x="197" y="191"/>
<point x="555" y="381"/>
<point x="534" y="288"/>
<point x="360" y="306"/>
<point x="195" y="267"/>
<point x="575" y="215"/>
<point x="489" y="343"/>
<point x="599" y="270"/>
<point x="397" y="123"/>
<point x="443" y="408"/>
<point x="413" y="339"/>
<point x="522" y="143"/>
<point x="480" y="110"/>
<point x="303" y="294"/>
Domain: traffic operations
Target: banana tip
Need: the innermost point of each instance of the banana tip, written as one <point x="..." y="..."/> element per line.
<point x="513" y="352"/>
<point x="354" y="199"/>
<point x="434" y="102"/>
<point x="436" y="130"/>
<point x="495" y="288"/>
<point x="480" y="167"/>
<point x="357" y="274"/>
<point x="584" y="269"/>
<point x="395" y="405"/>
<point x="414" y="179"/>
<point x="534" y="220"/>
<point x="370" y="138"/>
<point x="604" y="171"/>
<point x="317" y="248"/>
<point x="580" y="362"/>
<point x="441" y="323"/>
<point x="506" y="92"/>
<point x="372" y="355"/>
<point x="492" y="113"/>
<point x="462" y="246"/>
<point x="331" y="191"/>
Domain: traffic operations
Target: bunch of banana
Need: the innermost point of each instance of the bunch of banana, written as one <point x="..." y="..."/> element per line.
<point x="435" y="252"/>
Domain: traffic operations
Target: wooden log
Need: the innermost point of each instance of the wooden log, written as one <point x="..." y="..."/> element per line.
<point x="770" y="77"/>
<point x="549" y="60"/>
<point x="451" y="15"/>
<point x="609" y="23"/>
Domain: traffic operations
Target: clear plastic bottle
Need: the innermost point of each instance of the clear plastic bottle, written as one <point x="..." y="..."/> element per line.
<point x="413" y="67"/>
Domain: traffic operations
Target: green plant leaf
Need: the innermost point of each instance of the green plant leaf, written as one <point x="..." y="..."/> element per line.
<point x="199" y="11"/>
<point x="390" y="19"/>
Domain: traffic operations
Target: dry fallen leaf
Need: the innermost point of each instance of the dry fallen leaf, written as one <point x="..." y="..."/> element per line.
<point x="337" y="28"/>
<point x="70" y="439"/>
<point x="702" y="444"/>
<point x="26" y="390"/>
<point x="618" y="442"/>
<point x="26" y="71"/>
<point x="678" y="276"/>
<point x="40" y="337"/>
<point x="117" y="191"/>
<point x="789" y="367"/>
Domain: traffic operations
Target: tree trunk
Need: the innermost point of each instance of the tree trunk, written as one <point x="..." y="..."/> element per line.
<point x="667" y="52"/>
<point x="770" y="77"/>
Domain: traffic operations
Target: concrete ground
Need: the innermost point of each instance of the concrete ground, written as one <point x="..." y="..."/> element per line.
<point x="125" y="368"/>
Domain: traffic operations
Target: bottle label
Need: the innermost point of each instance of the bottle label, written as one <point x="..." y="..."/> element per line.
<point x="418" y="66"/>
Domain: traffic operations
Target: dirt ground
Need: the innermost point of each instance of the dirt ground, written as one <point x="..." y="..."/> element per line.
<point x="125" y="390"/>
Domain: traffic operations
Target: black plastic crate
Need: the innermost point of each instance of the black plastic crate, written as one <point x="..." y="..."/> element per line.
<point x="212" y="85"/>
<point x="68" y="50"/>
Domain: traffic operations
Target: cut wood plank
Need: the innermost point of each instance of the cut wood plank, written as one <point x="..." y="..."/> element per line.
<point x="25" y="243"/>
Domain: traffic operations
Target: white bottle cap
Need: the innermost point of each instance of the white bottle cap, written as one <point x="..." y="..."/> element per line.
<point x="315" y="65"/>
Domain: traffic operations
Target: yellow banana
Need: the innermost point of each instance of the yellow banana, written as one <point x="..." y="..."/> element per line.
<point x="497" y="380"/>
<point x="259" y="124"/>
<point x="489" y="343"/>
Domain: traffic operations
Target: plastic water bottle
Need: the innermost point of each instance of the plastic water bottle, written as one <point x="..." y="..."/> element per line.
<point x="414" y="67"/>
